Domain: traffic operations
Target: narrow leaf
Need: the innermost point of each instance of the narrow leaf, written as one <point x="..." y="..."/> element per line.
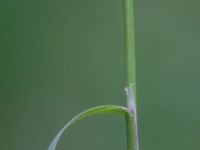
<point x="85" y="114"/>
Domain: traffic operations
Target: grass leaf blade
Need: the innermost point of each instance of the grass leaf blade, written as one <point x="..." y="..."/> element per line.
<point x="103" y="109"/>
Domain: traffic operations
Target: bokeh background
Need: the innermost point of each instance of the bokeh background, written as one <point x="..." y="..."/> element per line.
<point x="60" y="57"/>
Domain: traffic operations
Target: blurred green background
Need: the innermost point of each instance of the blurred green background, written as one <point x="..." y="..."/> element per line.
<point x="60" y="57"/>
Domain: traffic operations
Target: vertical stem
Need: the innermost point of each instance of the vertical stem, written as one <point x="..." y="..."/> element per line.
<point x="131" y="118"/>
<point x="129" y="43"/>
<point x="129" y="133"/>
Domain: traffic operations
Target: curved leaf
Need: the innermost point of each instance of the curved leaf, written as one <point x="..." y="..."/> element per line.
<point x="85" y="114"/>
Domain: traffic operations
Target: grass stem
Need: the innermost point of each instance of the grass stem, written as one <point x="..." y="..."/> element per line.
<point x="131" y="118"/>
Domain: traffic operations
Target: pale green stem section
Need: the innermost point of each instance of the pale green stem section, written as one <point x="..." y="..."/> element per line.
<point x="129" y="43"/>
<point x="131" y="118"/>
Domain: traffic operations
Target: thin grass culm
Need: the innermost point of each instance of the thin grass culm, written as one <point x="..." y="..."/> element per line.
<point x="131" y="119"/>
<point x="129" y="111"/>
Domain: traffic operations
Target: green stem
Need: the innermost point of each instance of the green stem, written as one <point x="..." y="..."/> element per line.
<point x="130" y="135"/>
<point x="129" y="42"/>
<point x="131" y="118"/>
